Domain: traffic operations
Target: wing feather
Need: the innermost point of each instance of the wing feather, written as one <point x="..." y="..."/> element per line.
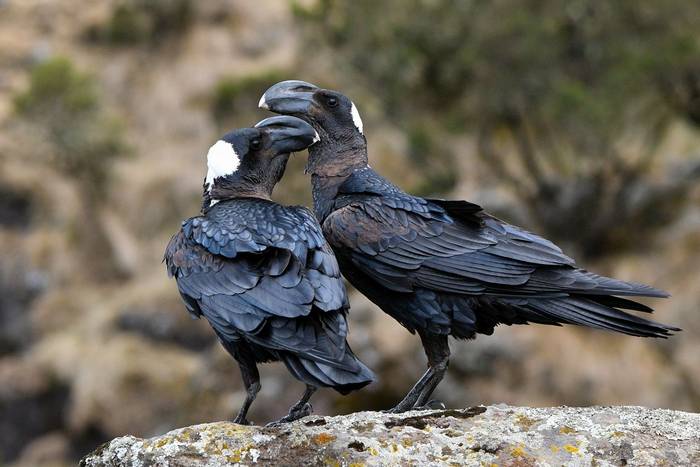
<point x="481" y="271"/>
<point x="263" y="272"/>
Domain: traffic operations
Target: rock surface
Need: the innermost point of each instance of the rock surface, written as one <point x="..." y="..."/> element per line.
<point x="496" y="435"/>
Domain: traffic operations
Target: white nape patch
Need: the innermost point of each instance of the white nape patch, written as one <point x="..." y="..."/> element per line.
<point x="316" y="137"/>
<point x="262" y="104"/>
<point x="356" y="118"/>
<point x="222" y="160"/>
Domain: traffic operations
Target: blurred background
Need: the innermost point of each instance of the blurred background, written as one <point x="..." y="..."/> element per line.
<point x="578" y="119"/>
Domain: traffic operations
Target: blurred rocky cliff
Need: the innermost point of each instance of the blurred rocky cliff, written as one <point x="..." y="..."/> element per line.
<point x="107" y="109"/>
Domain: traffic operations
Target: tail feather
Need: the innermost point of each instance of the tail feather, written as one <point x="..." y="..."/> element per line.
<point x="584" y="311"/>
<point x="319" y="374"/>
<point x="617" y="302"/>
<point x="580" y="281"/>
<point x="609" y="286"/>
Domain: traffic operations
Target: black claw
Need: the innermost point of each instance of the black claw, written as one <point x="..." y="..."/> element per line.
<point x="399" y="408"/>
<point x="431" y="405"/>
<point x="295" y="413"/>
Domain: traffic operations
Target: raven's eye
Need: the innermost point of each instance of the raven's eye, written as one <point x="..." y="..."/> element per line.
<point x="332" y="101"/>
<point x="255" y="144"/>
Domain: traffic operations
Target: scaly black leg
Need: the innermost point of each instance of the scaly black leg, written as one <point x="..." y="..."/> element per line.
<point x="251" y="380"/>
<point x="423" y="401"/>
<point x="410" y="399"/>
<point x="438" y="352"/>
<point x="300" y="409"/>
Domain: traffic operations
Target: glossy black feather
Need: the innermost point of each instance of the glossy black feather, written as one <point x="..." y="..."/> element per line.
<point x="263" y="276"/>
<point x="448" y="267"/>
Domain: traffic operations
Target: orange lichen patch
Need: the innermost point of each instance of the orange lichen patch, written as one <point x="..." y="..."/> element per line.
<point x="162" y="442"/>
<point x="554" y="448"/>
<point x="518" y="451"/>
<point x="570" y="448"/>
<point x="618" y="434"/>
<point x="323" y="438"/>
<point x="566" y="430"/>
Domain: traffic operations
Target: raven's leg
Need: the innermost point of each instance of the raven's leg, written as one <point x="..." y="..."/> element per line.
<point x="300" y="409"/>
<point x="251" y="380"/>
<point x="438" y="352"/>
<point x="410" y="399"/>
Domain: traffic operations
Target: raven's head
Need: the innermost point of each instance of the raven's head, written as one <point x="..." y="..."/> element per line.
<point x="250" y="161"/>
<point x="343" y="145"/>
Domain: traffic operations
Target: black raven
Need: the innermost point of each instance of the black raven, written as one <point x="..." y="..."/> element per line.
<point x="262" y="273"/>
<point x="441" y="267"/>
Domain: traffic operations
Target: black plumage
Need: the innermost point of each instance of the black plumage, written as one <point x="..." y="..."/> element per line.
<point x="442" y="267"/>
<point x="264" y="277"/>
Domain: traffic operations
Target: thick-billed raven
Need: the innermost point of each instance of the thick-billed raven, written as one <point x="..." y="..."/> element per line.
<point x="262" y="273"/>
<point x="441" y="267"/>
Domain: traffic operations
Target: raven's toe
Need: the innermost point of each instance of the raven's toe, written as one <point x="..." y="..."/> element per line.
<point x="431" y="405"/>
<point x="295" y="413"/>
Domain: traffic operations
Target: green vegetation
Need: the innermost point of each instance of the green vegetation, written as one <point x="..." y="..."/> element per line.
<point x="62" y="108"/>
<point x="138" y="21"/>
<point x="63" y="103"/>
<point x="239" y="96"/>
<point x="56" y="86"/>
<point x="553" y="92"/>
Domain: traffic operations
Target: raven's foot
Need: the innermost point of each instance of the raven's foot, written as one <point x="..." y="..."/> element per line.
<point x="401" y="407"/>
<point x="242" y="420"/>
<point x="295" y="413"/>
<point x="431" y="405"/>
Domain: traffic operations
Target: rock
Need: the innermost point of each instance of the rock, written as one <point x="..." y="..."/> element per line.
<point x="16" y="207"/>
<point x="31" y="405"/>
<point x="19" y="286"/>
<point x="49" y="450"/>
<point x="495" y="435"/>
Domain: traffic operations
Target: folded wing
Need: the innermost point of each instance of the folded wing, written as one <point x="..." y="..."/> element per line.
<point x="267" y="277"/>
<point x="477" y="265"/>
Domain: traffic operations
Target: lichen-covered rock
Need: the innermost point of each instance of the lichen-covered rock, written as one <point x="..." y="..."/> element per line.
<point x="497" y="435"/>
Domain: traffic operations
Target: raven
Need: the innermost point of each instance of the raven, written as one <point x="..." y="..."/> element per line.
<point x="262" y="273"/>
<point x="441" y="267"/>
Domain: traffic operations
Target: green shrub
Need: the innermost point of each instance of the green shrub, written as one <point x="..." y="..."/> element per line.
<point x="56" y="87"/>
<point x="62" y="107"/>
<point x="62" y="103"/>
<point x="232" y="96"/>
<point x="143" y="21"/>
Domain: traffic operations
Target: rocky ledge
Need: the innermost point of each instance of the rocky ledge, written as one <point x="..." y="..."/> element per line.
<point x="492" y="436"/>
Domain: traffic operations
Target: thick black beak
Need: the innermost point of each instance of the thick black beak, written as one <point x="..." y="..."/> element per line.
<point x="288" y="134"/>
<point x="289" y="98"/>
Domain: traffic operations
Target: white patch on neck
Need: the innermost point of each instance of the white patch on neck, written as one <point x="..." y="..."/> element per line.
<point x="262" y="103"/>
<point x="356" y="117"/>
<point x="222" y="160"/>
